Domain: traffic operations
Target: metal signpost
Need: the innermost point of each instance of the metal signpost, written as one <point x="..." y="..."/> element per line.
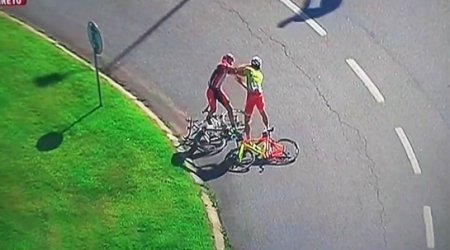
<point x="95" y="38"/>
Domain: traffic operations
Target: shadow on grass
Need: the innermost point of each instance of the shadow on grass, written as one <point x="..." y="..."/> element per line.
<point x="54" y="139"/>
<point x="49" y="141"/>
<point x="52" y="78"/>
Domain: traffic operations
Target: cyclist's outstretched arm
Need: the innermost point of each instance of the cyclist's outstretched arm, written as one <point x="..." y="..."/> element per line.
<point x="240" y="70"/>
<point x="240" y="81"/>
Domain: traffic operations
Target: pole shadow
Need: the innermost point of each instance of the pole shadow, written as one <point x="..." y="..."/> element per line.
<point x="110" y="66"/>
<point x="326" y="6"/>
<point x="52" y="140"/>
<point x="49" y="141"/>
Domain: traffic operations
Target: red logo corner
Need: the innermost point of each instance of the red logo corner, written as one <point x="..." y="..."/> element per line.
<point x="11" y="3"/>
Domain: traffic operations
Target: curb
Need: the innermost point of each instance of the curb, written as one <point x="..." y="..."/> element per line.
<point x="213" y="216"/>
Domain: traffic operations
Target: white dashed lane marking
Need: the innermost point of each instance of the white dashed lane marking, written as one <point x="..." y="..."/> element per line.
<point x="428" y="219"/>
<point x="409" y="150"/>
<point x="366" y="80"/>
<point x="311" y="22"/>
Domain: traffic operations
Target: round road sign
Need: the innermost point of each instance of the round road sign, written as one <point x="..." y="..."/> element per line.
<point x="95" y="38"/>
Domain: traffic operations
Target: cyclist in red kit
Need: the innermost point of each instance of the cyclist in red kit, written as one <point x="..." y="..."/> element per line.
<point x="215" y="92"/>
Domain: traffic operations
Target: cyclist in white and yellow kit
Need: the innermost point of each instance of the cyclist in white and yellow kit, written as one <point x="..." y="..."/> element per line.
<point x="254" y="85"/>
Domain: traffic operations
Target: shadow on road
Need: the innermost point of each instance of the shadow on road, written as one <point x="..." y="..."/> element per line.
<point x="213" y="171"/>
<point x="54" y="139"/>
<point x="206" y="172"/>
<point x="179" y="157"/>
<point x="110" y="66"/>
<point x="325" y="7"/>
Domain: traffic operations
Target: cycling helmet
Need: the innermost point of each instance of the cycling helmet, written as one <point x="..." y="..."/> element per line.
<point x="256" y="62"/>
<point x="228" y="58"/>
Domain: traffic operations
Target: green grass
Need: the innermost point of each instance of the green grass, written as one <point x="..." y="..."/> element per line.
<point x="109" y="185"/>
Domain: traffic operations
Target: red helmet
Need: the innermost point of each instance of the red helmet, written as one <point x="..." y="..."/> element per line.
<point x="228" y="58"/>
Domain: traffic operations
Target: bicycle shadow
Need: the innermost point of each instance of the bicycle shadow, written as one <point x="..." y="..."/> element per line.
<point x="261" y="164"/>
<point x="211" y="171"/>
<point x="179" y="158"/>
<point x="206" y="172"/>
<point x="184" y="152"/>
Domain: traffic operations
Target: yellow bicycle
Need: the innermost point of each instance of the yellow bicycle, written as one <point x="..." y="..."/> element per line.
<point x="264" y="149"/>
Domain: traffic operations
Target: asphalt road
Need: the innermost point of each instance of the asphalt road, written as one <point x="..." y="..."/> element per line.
<point x="354" y="186"/>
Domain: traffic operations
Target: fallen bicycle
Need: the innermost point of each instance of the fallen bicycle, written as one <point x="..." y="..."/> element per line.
<point x="265" y="150"/>
<point x="210" y="138"/>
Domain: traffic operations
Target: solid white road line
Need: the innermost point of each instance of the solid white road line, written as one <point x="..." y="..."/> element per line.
<point x="409" y="150"/>
<point x="313" y="24"/>
<point x="428" y="226"/>
<point x="365" y="79"/>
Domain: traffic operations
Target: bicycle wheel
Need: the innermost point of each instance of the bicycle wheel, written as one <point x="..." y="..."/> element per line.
<point x="192" y="129"/>
<point x="210" y="145"/>
<point x="239" y="122"/>
<point x="289" y="152"/>
<point x="237" y="166"/>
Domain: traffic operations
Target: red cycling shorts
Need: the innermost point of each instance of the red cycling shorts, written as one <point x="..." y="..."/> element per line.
<point x="254" y="99"/>
<point x="213" y="95"/>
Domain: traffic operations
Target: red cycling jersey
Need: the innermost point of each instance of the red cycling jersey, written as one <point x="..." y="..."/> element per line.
<point x="215" y="92"/>
<point x="219" y="75"/>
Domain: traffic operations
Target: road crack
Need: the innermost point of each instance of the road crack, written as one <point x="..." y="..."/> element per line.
<point x="376" y="186"/>
<point x="245" y="22"/>
<point x="371" y="165"/>
<point x="310" y="78"/>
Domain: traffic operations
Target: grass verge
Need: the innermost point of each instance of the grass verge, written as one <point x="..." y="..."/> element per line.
<point x="107" y="184"/>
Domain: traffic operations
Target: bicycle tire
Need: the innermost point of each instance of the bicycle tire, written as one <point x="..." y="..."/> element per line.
<point x="237" y="121"/>
<point x="214" y="145"/>
<point x="287" y="158"/>
<point x="236" y="166"/>
<point x="192" y="129"/>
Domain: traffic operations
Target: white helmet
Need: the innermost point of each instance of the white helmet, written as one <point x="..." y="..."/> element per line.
<point x="256" y="61"/>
